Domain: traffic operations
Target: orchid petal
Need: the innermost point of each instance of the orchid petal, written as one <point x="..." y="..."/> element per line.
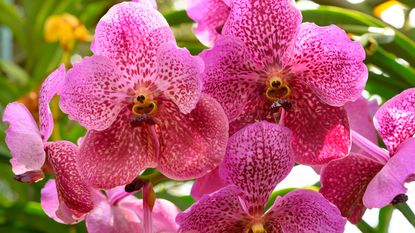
<point x="218" y="212"/>
<point x="151" y="3"/>
<point x="178" y="76"/>
<point x="258" y="157"/>
<point x="344" y="181"/>
<point x="130" y="34"/>
<point x="51" y="86"/>
<point x="202" y="141"/>
<point x="115" y="156"/>
<point x="207" y="184"/>
<point x="94" y="92"/>
<point x="267" y="27"/>
<point x="62" y="156"/>
<point x="395" y="120"/>
<point x="389" y="182"/>
<point x="230" y="77"/>
<point x="321" y="132"/>
<point x="304" y="211"/>
<point x="23" y="139"/>
<point x="210" y="16"/>
<point x="329" y="63"/>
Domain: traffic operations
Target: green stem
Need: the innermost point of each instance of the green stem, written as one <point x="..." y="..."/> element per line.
<point x="385" y="216"/>
<point x="365" y="228"/>
<point x="407" y="212"/>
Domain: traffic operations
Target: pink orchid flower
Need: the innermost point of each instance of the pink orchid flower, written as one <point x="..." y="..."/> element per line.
<point x="376" y="178"/>
<point x="210" y="16"/>
<point x="116" y="212"/>
<point x="258" y="157"/>
<point x="31" y="151"/>
<point x="267" y="58"/>
<point x="140" y="98"/>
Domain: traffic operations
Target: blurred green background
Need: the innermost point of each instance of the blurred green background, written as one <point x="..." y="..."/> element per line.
<point x="32" y="45"/>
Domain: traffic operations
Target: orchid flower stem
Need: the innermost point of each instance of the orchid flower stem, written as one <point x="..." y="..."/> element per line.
<point x="407" y="212"/>
<point x="385" y="216"/>
<point x="365" y="228"/>
<point x="147" y="209"/>
<point x="373" y="151"/>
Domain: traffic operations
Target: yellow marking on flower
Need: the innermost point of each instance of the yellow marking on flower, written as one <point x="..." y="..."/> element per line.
<point x="144" y="105"/>
<point x="277" y="89"/>
<point x="258" y="228"/>
<point x="66" y="29"/>
<point x="379" y="9"/>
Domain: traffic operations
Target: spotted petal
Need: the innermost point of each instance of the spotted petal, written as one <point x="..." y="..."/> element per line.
<point x="258" y="157"/>
<point x="206" y="184"/>
<point x="267" y="27"/>
<point x="178" y="76"/>
<point x="320" y="132"/>
<point x="94" y="92"/>
<point x="218" y="212"/>
<point x="389" y="182"/>
<point x="230" y="77"/>
<point x="115" y="156"/>
<point x="304" y="211"/>
<point x="23" y="139"/>
<point x="73" y="192"/>
<point x="191" y="145"/>
<point x="51" y="86"/>
<point x="344" y="181"/>
<point x="328" y="62"/>
<point x="130" y="34"/>
<point x="210" y="16"/>
<point x="395" y="120"/>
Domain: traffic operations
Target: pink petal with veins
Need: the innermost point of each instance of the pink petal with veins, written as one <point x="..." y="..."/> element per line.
<point x="258" y="157"/>
<point x="395" y="120"/>
<point x="266" y="27"/>
<point x="94" y="92"/>
<point x="389" y="182"/>
<point x="130" y="34"/>
<point x="328" y="62"/>
<point x="210" y="16"/>
<point x="51" y="86"/>
<point x="179" y="76"/>
<point x="220" y="211"/>
<point x="207" y="184"/>
<point x="304" y="211"/>
<point x="115" y="156"/>
<point x="344" y="182"/>
<point x="191" y="145"/>
<point x="23" y="139"/>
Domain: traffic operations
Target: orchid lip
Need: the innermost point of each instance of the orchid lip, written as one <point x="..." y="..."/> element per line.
<point x="373" y="151"/>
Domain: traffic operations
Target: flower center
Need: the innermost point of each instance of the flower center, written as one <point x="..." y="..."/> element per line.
<point x="258" y="228"/>
<point x="143" y="105"/>
<point x="277" y="89"/>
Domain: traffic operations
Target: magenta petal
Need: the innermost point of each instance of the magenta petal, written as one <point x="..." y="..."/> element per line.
<point x="115" y="156"/>
<point x="329" y="63"/>
<point x="344" y="181"/>
<point x="266" y="27"/>
<point x="206" y="184"/>
<point x="202" y="142"/>
<point x="360" y="117"/>
<point x="94" y="92"/>
<point x="230" y="77"/>
<point x="23" y="139"/>
<point x="304" y="211"/>
<point x="130" y="34"/>
<point x="76" y="195"/>
<point x="395" y="120"/>
<point x="210" y="16"/>
<point x="51" y="86"/>
<point x="179" y="76"/>
<point x="151" y="3"/>
<point x="50" y="203"/>
<point x="321" y="132"/>
<point x="389" y="182"/>
<point x="105" y="218"/>
<point x="218" y="212"/>
<point x="258" y="157"/>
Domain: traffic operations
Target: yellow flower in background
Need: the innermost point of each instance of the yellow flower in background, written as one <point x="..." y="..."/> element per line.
<point x="66" y="29"/>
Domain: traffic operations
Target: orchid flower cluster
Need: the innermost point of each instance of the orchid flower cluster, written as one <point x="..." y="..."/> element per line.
<point x="270" y="92"/>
